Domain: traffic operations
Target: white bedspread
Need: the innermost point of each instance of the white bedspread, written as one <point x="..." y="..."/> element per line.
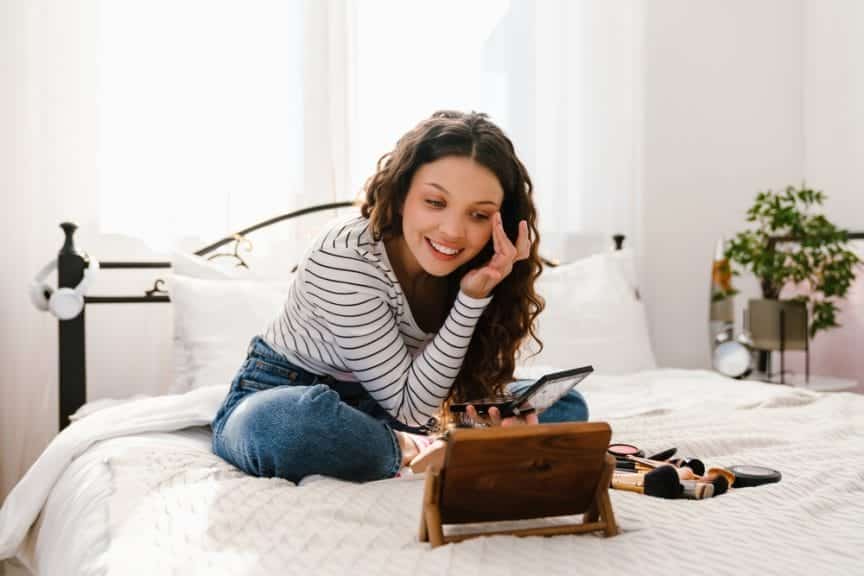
<point x="183" y="510"/>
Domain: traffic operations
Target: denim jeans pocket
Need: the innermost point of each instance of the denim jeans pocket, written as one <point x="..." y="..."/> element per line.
<point x="259" y="365"/>
<point x="249" y="385"/>
<point x="258" y="374"/>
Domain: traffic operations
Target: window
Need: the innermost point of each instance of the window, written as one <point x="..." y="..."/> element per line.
<point x="216" y="115"/>
<point x="414" y="57"/>
<point x="201" y="116"/>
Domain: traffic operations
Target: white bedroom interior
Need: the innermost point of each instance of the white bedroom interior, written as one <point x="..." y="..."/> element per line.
<point x="674" y="114"/>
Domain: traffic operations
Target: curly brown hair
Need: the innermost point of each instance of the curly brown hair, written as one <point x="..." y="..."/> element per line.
<point x="510" y="317"/>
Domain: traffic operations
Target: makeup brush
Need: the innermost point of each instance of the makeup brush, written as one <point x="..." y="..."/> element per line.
<point x="696" y="490"/>
<point x="664" y="455"/>
<point x="721" y="485"/>
<point x="693" y="463"/>
<point x="721" y="478"/>
<point x="647" y="462"/>
<point x="661" y="482"/>
<point x="716" y="477"/>
<point x="686" y="483"/>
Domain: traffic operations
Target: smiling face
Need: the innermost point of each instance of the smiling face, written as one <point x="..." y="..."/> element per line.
<point x="447" y="215"/>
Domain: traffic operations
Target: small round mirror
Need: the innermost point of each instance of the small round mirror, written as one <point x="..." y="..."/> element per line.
<point x="732" y="358"/>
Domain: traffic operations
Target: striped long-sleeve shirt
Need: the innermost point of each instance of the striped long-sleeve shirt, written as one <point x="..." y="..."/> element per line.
<point x="346" y="316"/>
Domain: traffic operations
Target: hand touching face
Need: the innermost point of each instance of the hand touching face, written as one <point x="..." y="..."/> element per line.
<point x="480" y="281"/>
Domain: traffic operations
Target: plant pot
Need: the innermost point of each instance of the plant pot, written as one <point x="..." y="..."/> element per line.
<point x="776" y="325"/>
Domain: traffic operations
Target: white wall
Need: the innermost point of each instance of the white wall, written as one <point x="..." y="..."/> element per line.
<point x="833" y="70"/>
<point x="722" y="113"/>
<point x="739" y="96"/>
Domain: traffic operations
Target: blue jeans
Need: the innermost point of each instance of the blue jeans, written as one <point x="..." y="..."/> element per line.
<point x="281" y="420"/>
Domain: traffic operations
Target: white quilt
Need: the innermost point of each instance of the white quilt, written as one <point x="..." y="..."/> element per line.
<point x="183" y="510"/>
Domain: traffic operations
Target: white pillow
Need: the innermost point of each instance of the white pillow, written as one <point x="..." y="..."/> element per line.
<point x="592" y="317"/>
<point x="214" y="320"/>
<point x="219" y="307"/>
<point x="623" y="262"/>
<point x="598" y="277"/>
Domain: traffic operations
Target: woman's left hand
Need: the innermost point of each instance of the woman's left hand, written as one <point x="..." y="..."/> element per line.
<point x="495" y="419"/>
<point x="478" y="283"/>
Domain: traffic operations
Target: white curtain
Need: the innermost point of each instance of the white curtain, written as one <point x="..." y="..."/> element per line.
<point x="225" y="113"/>
<point x="157" y="120"/>
<point x="48" y="143"/>
<point x="201" y="116"/>
<point x="586" y="123"/>
<point x="328" y="90"/>
<point x="561" y="77"/>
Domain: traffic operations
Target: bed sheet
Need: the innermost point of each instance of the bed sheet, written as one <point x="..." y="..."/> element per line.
<point x="168" y="505"/>
<point x="75" y="526"/>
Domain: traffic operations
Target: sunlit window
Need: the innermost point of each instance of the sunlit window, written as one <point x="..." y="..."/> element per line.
<point x="414" y="57"/>
<point x="201" y="115"/>
<point x="215" y="115"/>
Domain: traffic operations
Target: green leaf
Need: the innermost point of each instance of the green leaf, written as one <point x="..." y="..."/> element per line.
<point x="819" y="257"/>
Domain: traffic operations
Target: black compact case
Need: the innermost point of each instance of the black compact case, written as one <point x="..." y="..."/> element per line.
<point x="544" y="392"/>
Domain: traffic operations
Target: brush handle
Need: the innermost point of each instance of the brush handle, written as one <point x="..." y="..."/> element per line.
<point x="664" y="455"/>
<point x="647" y="461"/>
<point x="629" y="482"/>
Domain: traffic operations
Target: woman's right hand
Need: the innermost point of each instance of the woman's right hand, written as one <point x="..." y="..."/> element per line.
<point x="478" y="283"/>
<point x="495" y="419"/>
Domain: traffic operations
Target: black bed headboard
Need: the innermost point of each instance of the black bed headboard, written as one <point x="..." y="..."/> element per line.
<point x="71" y="264"/>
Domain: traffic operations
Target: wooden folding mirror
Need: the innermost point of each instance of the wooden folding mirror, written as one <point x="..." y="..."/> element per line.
<point x="521" y="473"/>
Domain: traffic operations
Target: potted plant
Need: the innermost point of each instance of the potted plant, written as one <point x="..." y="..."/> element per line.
<point x="792" y="244"/>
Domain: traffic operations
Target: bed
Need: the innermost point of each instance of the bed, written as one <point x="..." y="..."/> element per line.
<point x="132" y="487"/>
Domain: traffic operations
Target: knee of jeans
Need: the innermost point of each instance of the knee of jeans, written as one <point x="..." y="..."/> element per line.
<point x="575" y="405"/>
<point x="571" y="407"/>
<point x="273" y="432"/>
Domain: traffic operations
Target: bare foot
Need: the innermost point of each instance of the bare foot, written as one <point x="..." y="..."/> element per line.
<point x="430" y="458"/>
<point x="408" y="447"/>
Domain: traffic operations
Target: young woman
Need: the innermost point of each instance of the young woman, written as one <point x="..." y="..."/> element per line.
<point x="421" y="301"/>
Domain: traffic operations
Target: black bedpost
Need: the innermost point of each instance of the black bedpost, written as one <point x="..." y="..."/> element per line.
<point x="73" y="387"/>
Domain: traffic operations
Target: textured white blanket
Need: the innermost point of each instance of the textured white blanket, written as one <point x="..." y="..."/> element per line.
<point x="186" y="511"/>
